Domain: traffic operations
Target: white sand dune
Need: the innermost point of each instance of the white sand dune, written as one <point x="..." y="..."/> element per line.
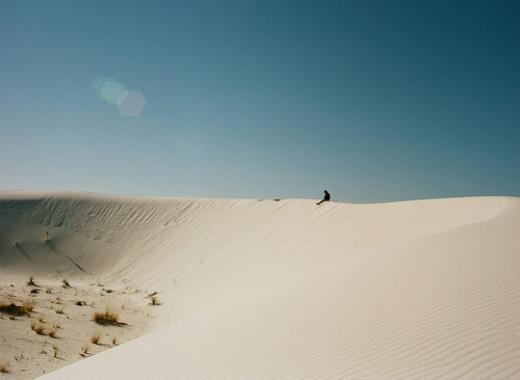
<point x="288" y="290"/>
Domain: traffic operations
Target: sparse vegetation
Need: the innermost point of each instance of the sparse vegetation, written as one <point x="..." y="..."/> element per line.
<point x="60" y="311"/>
<point x="48" y="291"/>
<point x="95" y="337"/>
<point x="66" y="284"/>
<point x="107" y="317"/>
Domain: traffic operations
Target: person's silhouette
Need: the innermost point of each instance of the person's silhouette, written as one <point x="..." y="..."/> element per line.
<point x="326" y="197"/>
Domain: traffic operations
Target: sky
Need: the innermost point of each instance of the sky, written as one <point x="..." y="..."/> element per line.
<point x="372" y="100"/>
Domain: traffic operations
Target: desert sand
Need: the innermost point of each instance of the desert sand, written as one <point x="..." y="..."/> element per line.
<point x="260" y="289"/>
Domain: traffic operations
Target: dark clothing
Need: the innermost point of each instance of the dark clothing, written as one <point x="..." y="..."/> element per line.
<point x="326" y="197"/>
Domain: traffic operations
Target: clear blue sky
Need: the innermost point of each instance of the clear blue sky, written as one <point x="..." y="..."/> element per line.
<point x="373" y="100"/>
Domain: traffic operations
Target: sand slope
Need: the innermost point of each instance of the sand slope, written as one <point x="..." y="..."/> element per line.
<point x="288" y="290"/>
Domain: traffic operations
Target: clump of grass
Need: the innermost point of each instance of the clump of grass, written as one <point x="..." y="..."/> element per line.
<point x="66" y="284"/>
<point x="107" y="317"/>
<point x="57" y="301"/>
<point x="29" y="306"/>
<point x="30" y="281"/>
<point x="48" y="291"/>
<point x="95" y="338"/>
<point x="4" y="368"/>
<point x="60" y="311"/>
<point x="37" y="328"/>
<point x="155" y="301"/>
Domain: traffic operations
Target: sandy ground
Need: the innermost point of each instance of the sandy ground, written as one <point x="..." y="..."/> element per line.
<point x="263" y="289"/>
<point x="60" y="329"/>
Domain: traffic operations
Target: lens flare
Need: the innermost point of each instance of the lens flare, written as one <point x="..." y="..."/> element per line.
<point x="133" y="104"/>
<point x="129" y="103"/>
<point x="110" y="90"/>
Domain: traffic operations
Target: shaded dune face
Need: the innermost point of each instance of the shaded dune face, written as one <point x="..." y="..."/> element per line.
<point x="261" y="289"/>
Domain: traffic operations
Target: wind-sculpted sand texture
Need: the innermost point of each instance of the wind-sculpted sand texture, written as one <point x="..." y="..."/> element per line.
<point x="262" y="289"/>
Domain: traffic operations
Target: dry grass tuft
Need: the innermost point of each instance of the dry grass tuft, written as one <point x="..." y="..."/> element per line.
<point x="37" y="328"/>
<point x="60" y="311"/>
<point x="66" y="284"/>
<point x="4" y="368"/>
<point x="29" y="306"/>
<point x="55" y="348"/>
<point x="155" y="301"/>
<point x="48" y="291"/>
<point x="57" y="301"/>
<point x="107" y="317"/>
<point x="31" y="282"/>
<point x="95" y="338"/>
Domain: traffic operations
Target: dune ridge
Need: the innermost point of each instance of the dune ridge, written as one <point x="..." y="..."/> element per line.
<point x="263" y="289"/>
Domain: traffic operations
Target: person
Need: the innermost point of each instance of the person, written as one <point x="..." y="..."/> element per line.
<point x="326" y="197"/>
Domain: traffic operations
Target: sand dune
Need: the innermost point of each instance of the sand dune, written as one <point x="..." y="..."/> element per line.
<point x="260" y="289"/>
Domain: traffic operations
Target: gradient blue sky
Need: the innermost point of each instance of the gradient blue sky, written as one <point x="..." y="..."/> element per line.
<point x="373" y="100"/>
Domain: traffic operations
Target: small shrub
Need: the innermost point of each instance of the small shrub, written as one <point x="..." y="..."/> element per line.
<point x="155" y="301"/>
<point x="107" y="317"/>
<point x="37" y="328"/>
<point x="57" y="301"/>
<point x="55" y="348"/>
<point x="48" y="291"/>
<point x="95" y="337"/>
<point x="66" y="284"/>
<point x="31" y="282"/>
<point x="60" y="311"/>
<point x="29" y="306"/>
